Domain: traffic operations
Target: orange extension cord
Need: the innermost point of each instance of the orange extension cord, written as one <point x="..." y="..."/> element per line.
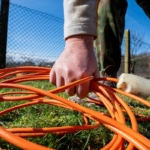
<point x="115" y="105"/>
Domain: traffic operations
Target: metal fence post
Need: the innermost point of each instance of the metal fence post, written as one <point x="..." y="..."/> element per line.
<point x="4" y="11"/>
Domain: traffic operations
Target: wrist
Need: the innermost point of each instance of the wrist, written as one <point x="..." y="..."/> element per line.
<point x="80" y="39"/>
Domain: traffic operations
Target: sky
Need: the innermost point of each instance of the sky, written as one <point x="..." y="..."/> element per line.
<point x="54" y="7"/>
<point x="136" y="21"/>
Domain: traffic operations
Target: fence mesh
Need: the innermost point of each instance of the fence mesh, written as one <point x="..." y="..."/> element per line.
<point x="34" y="38"/>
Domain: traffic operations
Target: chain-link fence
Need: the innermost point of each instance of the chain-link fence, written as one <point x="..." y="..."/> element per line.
<point x="34" y="38"/>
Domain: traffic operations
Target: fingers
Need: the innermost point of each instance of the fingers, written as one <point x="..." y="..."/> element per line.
<point x="82" y="90"/>
<point x="71" y="91"/>
<point x="58" y="80"/>
<point x="52" y="77"/>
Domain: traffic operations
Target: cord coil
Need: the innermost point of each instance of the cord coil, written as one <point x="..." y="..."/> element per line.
<point x="10" y="77"/>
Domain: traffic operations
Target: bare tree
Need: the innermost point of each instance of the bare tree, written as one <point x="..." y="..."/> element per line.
<point x="135" y="50"/>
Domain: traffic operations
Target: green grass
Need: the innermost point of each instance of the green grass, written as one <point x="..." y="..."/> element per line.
<point x="43" y="115"/>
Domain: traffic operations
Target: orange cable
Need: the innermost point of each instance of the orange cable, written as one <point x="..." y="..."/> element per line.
<point x="115" y="121"/>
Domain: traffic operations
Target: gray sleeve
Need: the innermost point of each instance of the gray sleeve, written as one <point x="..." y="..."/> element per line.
<point x="80" y="17"/>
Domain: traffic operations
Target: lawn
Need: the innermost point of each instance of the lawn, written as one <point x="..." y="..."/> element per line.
<point x="44" y="115"/>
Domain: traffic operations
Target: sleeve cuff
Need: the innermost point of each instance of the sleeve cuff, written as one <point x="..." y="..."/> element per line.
<point x="77" y="29"/>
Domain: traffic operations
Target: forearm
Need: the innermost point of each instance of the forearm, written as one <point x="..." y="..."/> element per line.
<point x="80" y="17"/>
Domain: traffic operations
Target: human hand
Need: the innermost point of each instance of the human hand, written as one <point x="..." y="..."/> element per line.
<point x="76" y="61"/>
